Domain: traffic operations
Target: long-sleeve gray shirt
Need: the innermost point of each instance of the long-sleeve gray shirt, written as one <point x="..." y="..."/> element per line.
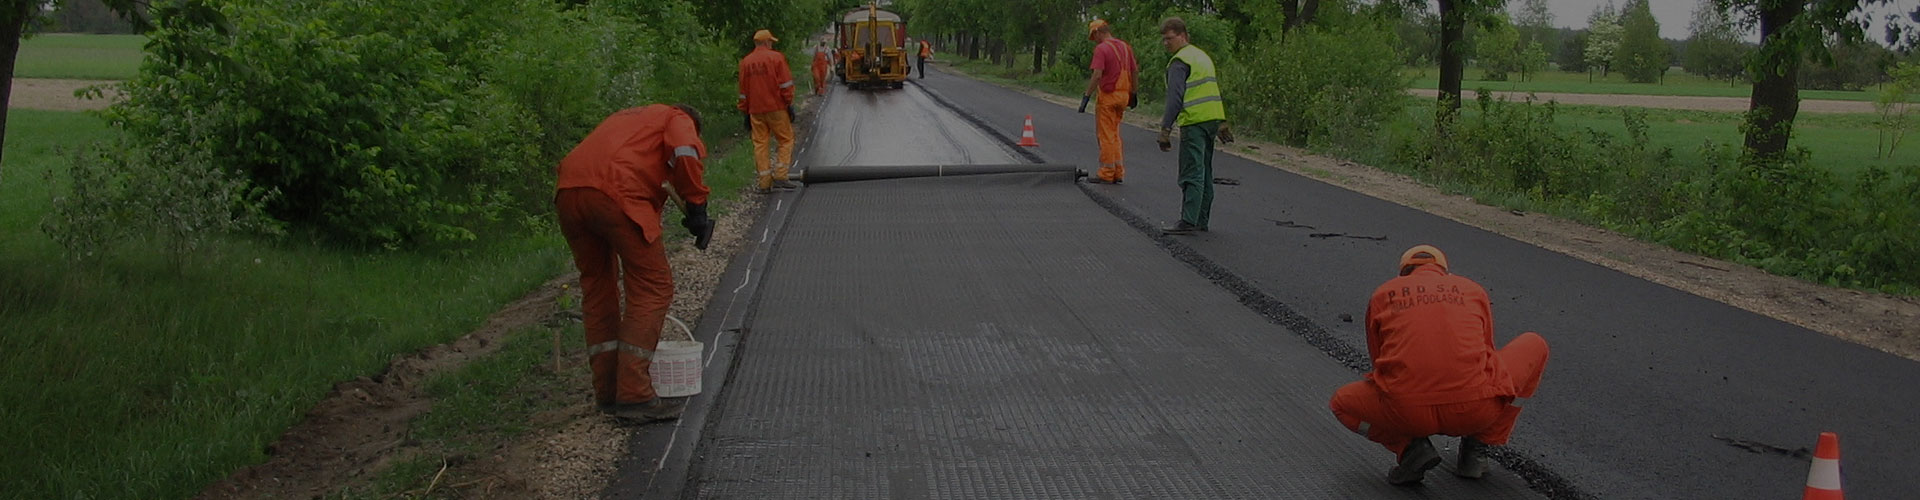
<point x="1176" y="92"/>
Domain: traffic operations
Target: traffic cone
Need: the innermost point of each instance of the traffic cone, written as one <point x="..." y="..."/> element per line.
<point x="1823" y="480"/>
<point x="1026" y="134"/>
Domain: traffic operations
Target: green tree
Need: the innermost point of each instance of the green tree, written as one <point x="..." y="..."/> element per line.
<point x="1573" y="52"/>
<point x="1603" y="39"/>
<point x="1714" y="50"/>
<point x="1789" y="31"/>
<point x="1895" y="107"/>
<point x="1643" y="56"/>
<point x="1535" y="23"/>
<point x="1498" y="49"/>
<point x="16" y="16"/>
<point x="1454" y="15"/>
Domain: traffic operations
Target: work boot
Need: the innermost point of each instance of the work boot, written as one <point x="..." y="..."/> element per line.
<point x="653" y="410"/>
<point x="1471" y="465"/>
<point x="784" y="184"/>
<point x="762" y="190"/>
<point x="1097" y="180"/>
<point x="1414" y="463"/>
<point x="1182" y="227"/>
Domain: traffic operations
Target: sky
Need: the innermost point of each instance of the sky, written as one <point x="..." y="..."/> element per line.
<point x="1672" y="14"/>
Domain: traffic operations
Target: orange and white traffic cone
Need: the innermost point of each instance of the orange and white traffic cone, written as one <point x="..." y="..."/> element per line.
<point x="1026" y="134"/>
<point x="1823" y="480"/>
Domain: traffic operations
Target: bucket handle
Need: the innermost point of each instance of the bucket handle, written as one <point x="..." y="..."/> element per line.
<point x="683" y="327"/>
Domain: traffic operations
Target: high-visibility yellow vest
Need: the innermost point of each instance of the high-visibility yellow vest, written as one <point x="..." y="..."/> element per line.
<point x="1202" y="102"/>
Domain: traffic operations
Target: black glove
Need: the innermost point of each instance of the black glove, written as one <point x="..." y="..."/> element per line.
<point x="698" y="224"/>
<point x="746" y="120"/>
<point x="1166" y="139"/>
<point x="1083" y="102"/>
<point x="1226" y="134"/>
<point x="789" y="112"/>
<point x="1133" y="100"/>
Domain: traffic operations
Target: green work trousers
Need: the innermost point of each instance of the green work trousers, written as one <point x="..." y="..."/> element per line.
<point x="1196" y="172"/>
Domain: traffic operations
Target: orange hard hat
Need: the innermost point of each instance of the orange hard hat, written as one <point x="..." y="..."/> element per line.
<point x="1094" y="27"/>
<point x="764" y="36"/>
<point x="1421" y="254"/>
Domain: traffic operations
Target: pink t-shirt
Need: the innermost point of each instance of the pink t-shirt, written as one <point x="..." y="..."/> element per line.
<point x="1114" y="59"/>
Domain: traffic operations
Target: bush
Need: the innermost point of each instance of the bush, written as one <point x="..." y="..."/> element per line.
<point x="123" y="193"/>
<point x="412" y="123"/>
<point x="1327" y="87"/>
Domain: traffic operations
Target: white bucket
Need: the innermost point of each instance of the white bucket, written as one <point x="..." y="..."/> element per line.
<point x="676" y="365"/>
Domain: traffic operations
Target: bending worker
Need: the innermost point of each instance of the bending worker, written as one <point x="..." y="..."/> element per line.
<point x="766" y="96"/>
<point x="1193" y="99"/>
<point x="609" y="202"/>
<point x="821" y="62"/>
<point x="1435" y="371"/>
<point x="1114" y="72"/>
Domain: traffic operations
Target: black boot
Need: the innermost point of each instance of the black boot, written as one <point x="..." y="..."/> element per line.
<point x="1182" y="227"/>
<point x="1471" y="465"/>
<point x="653" y="410"/>
<point x="1414" y="463"/>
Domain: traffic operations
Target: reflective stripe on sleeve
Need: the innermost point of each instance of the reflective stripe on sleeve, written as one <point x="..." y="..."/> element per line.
<point x="786" y="85"/>
<point x="680" y="151"/>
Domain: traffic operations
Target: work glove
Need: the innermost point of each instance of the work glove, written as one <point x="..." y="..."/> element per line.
<point x="698" y="225"/>
<point x="1166" y="139"/>
<point x="1226" y="134"/>
<point x="790" y="114"/>
<point x="1084" y="98"/>
<point x="1133" y="100"/>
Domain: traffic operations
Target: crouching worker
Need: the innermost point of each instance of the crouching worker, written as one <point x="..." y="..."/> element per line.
<point x="1435" y="370"/>
<point x="610" y="201"/>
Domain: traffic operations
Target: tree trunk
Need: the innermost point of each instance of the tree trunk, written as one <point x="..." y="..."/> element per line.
<point x="11" y="23"/>
<point x="1039" y="51"/>
<point x="1452" y="68"/>
<point x="1776" y="92"/>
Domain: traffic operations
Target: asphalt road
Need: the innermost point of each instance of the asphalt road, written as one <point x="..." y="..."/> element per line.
<point x="1651" y="392"/>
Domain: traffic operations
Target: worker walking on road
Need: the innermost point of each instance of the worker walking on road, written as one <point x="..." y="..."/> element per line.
<point x="766" y="96"/>
<point x="1193" y="102"/>
<point x="609" y="200"/>
<point x="1114" y="74"/>
<point x="926" y="51"/>
<point x="822" y="60"/>
<point x="1435" y="370"/>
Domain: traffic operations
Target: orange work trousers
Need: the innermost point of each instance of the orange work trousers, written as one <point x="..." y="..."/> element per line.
<point x="1108" y="111"/>
<point x="610" y="252"/>
<point x="820" y="81"/>
<point x="779" y="127"/>
<point x="1364" y="409"/>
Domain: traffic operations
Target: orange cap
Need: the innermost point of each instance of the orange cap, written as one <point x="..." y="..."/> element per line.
<point x="1094" y="27"/>
<point x="764" y="36"/>
<point x="1421" y="254"/>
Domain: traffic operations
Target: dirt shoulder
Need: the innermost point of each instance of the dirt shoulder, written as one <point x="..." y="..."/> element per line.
<point x="56" y="95"/>
<point x="1885" y="322"/>
<point x="1734" y="104"/>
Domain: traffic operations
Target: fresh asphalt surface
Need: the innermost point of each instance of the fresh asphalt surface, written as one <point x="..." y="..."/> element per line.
<point x="1004" y="337"/>
<point x="1646" y="384"/>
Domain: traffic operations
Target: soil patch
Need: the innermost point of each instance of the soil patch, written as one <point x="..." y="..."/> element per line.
<point x="1881" y="321"/>
<point x="58" y="95"/>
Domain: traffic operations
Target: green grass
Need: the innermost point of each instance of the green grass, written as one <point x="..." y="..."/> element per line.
<point x="129" y="378"/>
<point x="82" y="57"/>
<point x="1677" y="83"/>
<point x="1842" y="143"/>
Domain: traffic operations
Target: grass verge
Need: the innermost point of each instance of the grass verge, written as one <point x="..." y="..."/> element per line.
<point x="1677" y="84"/>
<point x="80" y="57"/>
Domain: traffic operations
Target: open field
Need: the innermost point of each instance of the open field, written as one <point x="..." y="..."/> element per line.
<point x="131" y="379"/>
<point x="80" y="57"/>
<point x="1678" y="83"/>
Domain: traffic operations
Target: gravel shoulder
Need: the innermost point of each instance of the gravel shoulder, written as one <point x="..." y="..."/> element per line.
<point x="1734" y="104"/>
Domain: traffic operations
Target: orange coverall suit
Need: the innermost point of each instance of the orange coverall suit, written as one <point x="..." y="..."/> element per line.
<point x="1114" y="59"/>
<point x="766" y="91"/>
<point x="821" y="62"/>
<point x="609" y="203"/>
<point x="926" y="51"/>
<point x="1435" y="370"/>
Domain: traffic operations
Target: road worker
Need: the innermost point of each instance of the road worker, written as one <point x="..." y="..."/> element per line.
<point x="926" y="52"/>
<point x="1435" y="370"/>
<point x="822" y="61"/>
<point x="766" y="96"/>
<point x="1193" y="102"/>
<point x="610" y="199"/>
<point x="1111" y="89"/>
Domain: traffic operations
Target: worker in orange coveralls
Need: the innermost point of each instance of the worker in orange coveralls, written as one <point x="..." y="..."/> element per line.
<point x="766" y="95"/>
<point x="610" y="199"/>
<point x="1435" y="370"/>
<point x="821" y="62"/>
<point x="1111" y="90"/>
<point x="926" y="52"/>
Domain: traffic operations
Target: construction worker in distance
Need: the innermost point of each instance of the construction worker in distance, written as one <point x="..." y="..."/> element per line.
<point x="1114" y="74"/>
<point x="821" y="62"/>
<point x="610" y="200"/>
<point x="926" y="52"/>
<point x="1193" y="102"/>
<point x="766" y="96"/>
<point x="1435" y="370"/>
